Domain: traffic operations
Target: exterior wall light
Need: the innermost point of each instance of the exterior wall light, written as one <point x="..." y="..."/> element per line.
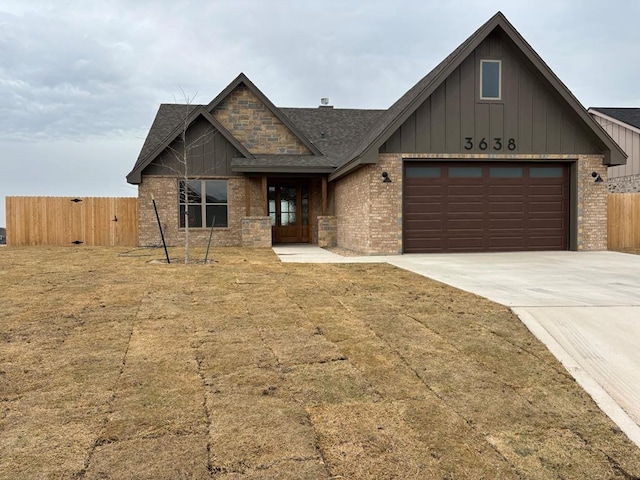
<point x="385" y="178"/>
<point x="598" y="178"/>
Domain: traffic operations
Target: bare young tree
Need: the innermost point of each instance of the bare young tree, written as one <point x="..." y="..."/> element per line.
<point x="182" y="151"/>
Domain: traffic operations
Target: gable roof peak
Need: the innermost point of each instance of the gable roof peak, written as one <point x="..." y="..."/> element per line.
<point x="367" y="150"/>
<point x="244" y="80"/>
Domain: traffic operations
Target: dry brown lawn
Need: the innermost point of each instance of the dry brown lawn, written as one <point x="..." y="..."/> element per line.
<point x="112" y="367"/>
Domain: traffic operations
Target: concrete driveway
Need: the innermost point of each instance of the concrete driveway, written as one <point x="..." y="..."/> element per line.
<point x="585" y="307"/>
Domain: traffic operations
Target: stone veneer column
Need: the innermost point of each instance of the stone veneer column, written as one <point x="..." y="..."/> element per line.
<point x="327" y="231"/>
<point x="256" y="232"/>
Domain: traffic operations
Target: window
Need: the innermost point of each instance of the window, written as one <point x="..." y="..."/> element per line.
<point x="490" y="85"/>
<point x="505" y="172"/>
<point x="432" y="172"/>
<point x="206" y="201"/>
<point x="546" y="172"/>
<point x="465" y="172"/>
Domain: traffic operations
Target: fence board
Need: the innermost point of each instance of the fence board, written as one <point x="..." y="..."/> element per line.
<point x="623" y="221"/>
<point x="58" y="221"/>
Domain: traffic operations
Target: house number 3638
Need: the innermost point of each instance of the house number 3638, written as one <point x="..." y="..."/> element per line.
<point x="483" y="144"/>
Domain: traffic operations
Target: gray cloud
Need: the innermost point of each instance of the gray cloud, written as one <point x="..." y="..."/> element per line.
<point x="92" y="74"/>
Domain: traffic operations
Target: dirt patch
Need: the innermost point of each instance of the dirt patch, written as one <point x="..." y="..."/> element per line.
<point x="114" y="367"/>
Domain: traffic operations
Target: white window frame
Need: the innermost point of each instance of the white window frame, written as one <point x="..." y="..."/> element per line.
<point x="499" y="62"/>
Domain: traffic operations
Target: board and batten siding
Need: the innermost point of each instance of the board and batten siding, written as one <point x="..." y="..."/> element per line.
<point x="529" y="112"/>
<point x="209" y="153"/>
<point x="629" y="141"/>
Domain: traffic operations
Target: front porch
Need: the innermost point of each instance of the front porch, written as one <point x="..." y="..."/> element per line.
<point x="287" y="209"/>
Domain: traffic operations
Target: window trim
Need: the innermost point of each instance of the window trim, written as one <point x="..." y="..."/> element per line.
<point x="203" y="203"/>
<point x="499" y="62"/>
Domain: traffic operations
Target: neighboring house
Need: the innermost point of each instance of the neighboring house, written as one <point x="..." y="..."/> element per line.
<point x="623" y="124"/>
<point x="488" y="152"/>
<point x="3" y="236"/>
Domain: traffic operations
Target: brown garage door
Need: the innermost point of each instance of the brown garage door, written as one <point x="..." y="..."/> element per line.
<point x="471" y="207"/>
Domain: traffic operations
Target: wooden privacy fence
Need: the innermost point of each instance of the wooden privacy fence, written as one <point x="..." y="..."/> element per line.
<point x="60" y="221"/>
<point x="623" y="214"/>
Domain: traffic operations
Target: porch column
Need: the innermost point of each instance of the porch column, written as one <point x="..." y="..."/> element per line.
<point x="324" y="196"/>
<point x="265" y="197"/>
<point x="247" y="196"/>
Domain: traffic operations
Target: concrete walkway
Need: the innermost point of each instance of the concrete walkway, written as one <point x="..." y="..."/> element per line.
<point x="584" y="306"/>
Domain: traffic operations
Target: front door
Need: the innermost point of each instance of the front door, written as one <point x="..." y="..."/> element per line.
<point x="289" y="212"/>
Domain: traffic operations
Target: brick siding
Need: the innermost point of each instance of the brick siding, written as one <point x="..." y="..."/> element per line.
<point x="592" y="204"/>
<point x="165" y="192"/>
<point x="369" y="211"/>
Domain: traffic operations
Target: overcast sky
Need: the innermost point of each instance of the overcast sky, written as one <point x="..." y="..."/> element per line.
<point x="80" y="81"/>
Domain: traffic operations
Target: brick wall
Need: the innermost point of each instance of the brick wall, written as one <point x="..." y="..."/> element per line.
<point x="352" y="194"/>
<point x="592" y="204"/>
<point x="386" y="205"/>
<point x="256" y="206"/>
<point x="165" y="192"/>
<point x="369" y="211"/>
<point x="255" y="126"/>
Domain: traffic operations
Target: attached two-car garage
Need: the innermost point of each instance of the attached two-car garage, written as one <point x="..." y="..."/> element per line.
<point x="490" y="206"/>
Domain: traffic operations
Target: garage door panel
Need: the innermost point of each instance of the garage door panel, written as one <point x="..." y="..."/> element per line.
<point x="420" y="226"/>
<point x="424" y="245"/>
<point x="461" y="243"/>
<point x="499" y="242"/>
<point x="468" y="190"/>
<point x="544" y="207"/>
<point x="465" y="224"/>
<point x="513" y="206"/>
<point x="487" y="211"/>
<point x="464" y="207"/>
<point x="547" y="190"/>
<point x="423" y="208"/>
<point x="546" y="242"/>
<point x="506" y="224"/>
<point x="515" y="190"/>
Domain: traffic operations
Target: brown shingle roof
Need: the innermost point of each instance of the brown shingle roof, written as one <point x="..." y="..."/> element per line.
<point x="352" y="137"/>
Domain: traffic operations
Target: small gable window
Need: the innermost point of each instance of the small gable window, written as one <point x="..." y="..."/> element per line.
<point x="490" y="79"/>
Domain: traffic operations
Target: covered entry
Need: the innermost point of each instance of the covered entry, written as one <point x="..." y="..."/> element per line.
<point x="289" y="211"/>
<point x="479" y="207"/>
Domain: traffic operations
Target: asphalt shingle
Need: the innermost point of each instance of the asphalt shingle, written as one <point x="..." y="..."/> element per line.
<point x="630" y="116"/>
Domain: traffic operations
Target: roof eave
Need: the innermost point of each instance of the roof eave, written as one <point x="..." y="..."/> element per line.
<point x="135" y="176"/>
<point x="279" y="169"/>
<point x="616" y="153"/>
<point x="464" y="50"/>
<point x="369" y="157"/>
<point x="595" y="111"/>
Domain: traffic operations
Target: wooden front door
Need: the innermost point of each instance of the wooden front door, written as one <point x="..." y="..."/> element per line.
<point x="289" y="212"/>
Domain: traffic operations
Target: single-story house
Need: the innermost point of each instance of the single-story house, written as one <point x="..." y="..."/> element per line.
<point x="488" y="152"/>
<point x="623" y="125"/>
